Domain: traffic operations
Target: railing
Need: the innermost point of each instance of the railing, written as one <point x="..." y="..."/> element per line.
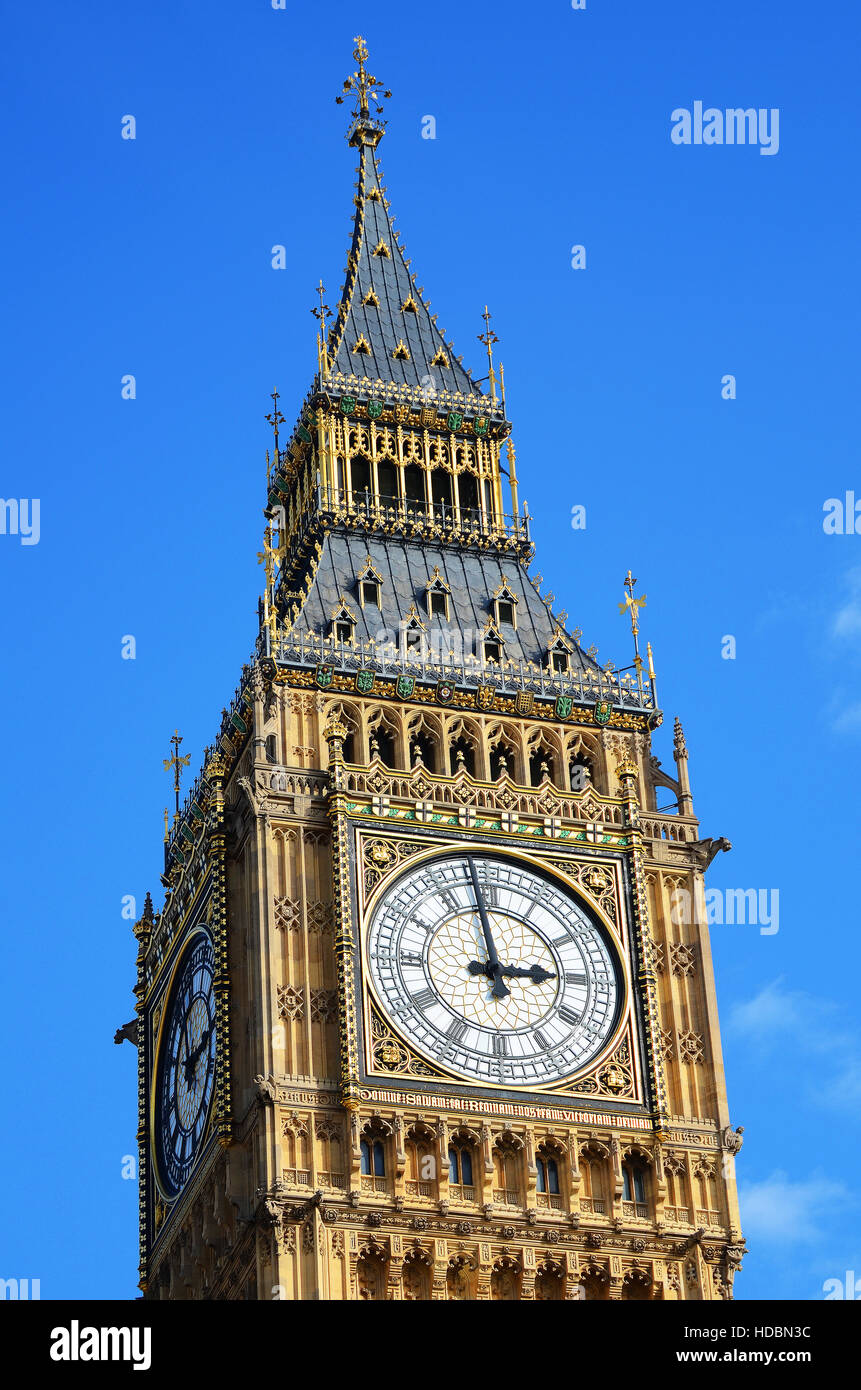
<point x="419" y="1189"/>
<point x="593" y="1206"/>
<point x="371" y="1184"/>
<point x="458" y="1192"/>
<point x="639" y="1210"/>
<point x="297" y="1177"/>
<point x="551" y="1200"/>
<point x="506" y="1197"/>
<point x="337" y="1180"/>
<point x="679" y="1216"/>
<point x="403" y="393"/>
<point x="707" y="1217"/>
<point x="389" y="661"/>
<point x="416" y="515"/>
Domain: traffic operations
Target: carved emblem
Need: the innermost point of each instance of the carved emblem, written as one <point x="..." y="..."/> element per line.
<point x="405" y="686"/>
<point x="603" y="710"/>
<point x="324" y="676"/>
<point x="564" y="705"/>
<point x="485" y="696"/>
<point x="524" y="701"/>
<point x="364" y="682"/>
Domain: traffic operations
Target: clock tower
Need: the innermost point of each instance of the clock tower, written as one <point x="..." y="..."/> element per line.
<point x="423" y="1015"/>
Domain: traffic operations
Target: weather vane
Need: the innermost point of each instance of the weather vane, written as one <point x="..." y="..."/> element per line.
<point x="177" y="763"/>
<point x="363" y="85"/>
<point x="488" y="337"/>
<point x="633" y="605"/>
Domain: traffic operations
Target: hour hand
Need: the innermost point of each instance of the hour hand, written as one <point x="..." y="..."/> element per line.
<point x="536" y="973"/>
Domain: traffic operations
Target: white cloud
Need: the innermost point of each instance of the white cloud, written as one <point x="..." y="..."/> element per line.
<point x="847" y="621"/>
<point x="780" y="1211"/>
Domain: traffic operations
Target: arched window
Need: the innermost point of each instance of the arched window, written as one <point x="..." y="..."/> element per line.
<point x="550" y="1180"/>
<point x="462" y="755"/>
<point x="417" y="1277"/>
<point x="373" y="1158"/>
<point x="387" y="476"/>
<point x="360" y="478"/>
<point x="467" y="488"/>
<point x="414" y="485"/>
<point x="635" y="1190"/>
<point x="507" y="1158"/>
<point x="593" y="1177"/>
<point x="371" y="1275"/>
<point x="421" y="1172"/>
<point x="505" y="1280"/>
<point x="501" y="760"/>
<point x="579" y="773"/>
<point x="423" y="745"/>
<point x="549" y="1283"/>
<point x="541" y="762"/>
<point x="441" y="486"/>
<point x="460" y="1171"/>
<point x="460" y="1279"/>
<point x="636" y="1285"/>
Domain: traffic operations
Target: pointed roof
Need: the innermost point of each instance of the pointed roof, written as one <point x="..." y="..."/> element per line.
<point x="384" y="330"/>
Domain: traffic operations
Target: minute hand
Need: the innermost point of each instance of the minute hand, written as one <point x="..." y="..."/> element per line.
<point x="536" y="973"/>
<point x="493" y="969"/>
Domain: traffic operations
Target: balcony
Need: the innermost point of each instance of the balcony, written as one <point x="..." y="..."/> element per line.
<point x="459" y="1192"/>
<point x="593" y="1206"/>
<point x="382" y="1186"/>
<point x="637" y="1210"/>
<point x="551" y="1201"/>
<point x="506" y="1197"/>
<point x="419" y="1189"/>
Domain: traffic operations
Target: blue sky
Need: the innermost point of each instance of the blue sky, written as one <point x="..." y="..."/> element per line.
<point x="152" y="257"/>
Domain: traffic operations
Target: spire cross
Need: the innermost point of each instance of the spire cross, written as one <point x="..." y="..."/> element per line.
<point x="488" y="337"/>
<point x="275" y="419"/>
<point x="177" y="763"/>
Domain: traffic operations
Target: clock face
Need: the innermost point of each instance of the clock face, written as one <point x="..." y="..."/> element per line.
<point x="493" y="971"/>
<point x="186" y="1068"/>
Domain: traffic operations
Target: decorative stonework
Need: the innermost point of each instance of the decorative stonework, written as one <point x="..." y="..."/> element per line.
<point x="691" y="1047"/>
<point x="291" y="1002"/>
<point x="682" y="960"/>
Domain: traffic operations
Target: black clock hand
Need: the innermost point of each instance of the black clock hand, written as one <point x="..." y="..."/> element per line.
<point x="493" y="968"/>
<point x="194" y="1057"/>
<point x="536" y="973"/>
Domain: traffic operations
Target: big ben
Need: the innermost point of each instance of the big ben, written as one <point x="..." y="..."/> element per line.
<point x="421" y="1017"/>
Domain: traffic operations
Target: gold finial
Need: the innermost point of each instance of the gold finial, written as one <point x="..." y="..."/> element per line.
<point x="321" y="315"/>
<point x="512" y="474"/>
<point x="488" y="337"/>
<point x="166" y="826"/>
<point x="365" y="87"/>
<point x="275" y="419"/>
<point x="177" y="763"/>
<point x="651" y="660"/>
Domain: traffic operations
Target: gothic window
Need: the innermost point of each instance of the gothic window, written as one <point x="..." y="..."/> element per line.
<point x="467" y="490"/>
<point x="343" y="624"/>
<point x="440" y="359"/>
<point x="373" y="1158"/>
<point x="360" y="477"/>
<point x="271" y="753"/>
<point x="414" y="484"/>
<point x="370" y="583"/>
<point x="349" y="717"/>
<point x="593" y="1179"/>
<point x="559" y="662"/>
<point x="505" y="605"/>
<point x="676" y="1206"/>
<point x="421" y="1171"/>
<point x="492" y="644"/>
<point x="409" y="306"/>
<point x="462" y="755"/>
<point x="387" y="477"/>
<point x="502" y="759"/>
<point x="437" y="593"/>
<point x="382" y="745"/>
<point x="507" y="1159"/>
<point x="461" y="1161"/>
<point x="548" y="1184"/>
<point x="440" y="486"/>
<point x="635" y="1188"/>
<point x="559" y="654"/>
<point x="374" y="1165"/>
<point x="424" y="746"/>
<point x="541" y="763"/>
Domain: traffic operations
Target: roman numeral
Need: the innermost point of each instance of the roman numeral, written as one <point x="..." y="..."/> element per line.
<point x="573" y="977"/>
<point x="424" y="999"/>
<point x="410" y="958"/>
<point x="456" y="1030"/>
<point x="569" y="1015"/>
<point x="500" y="1045"/>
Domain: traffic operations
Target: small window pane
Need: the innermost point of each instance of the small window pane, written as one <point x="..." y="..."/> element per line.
<point x="379" y="1160"/>
<point x="366" y="1157"/>
<point x="466" y="1167"/>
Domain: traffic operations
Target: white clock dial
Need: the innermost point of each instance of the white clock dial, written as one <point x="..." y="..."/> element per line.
<point x="493" y="971"/>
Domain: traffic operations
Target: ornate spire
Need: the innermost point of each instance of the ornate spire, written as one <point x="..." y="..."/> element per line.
<point x="367" y="90"/>
<point x="384" y="334"/>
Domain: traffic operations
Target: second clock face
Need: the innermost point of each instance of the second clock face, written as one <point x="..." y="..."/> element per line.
<point x="493" y="971"/>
